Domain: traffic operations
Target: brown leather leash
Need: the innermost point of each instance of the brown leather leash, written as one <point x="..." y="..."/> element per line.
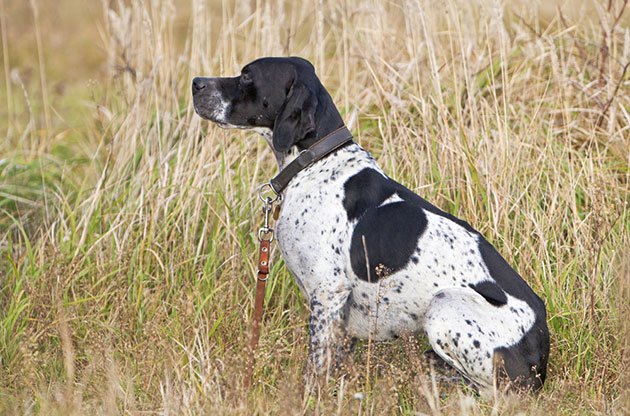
<point x="265" y="236"/>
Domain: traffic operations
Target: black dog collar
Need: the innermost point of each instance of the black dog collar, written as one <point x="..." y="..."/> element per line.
<point x="317" y="151"/>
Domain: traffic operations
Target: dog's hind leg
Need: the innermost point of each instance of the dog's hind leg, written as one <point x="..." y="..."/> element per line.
<point x="329" y="340"/>
<point x="491" y="340"/>
<point x="458" y="325"/>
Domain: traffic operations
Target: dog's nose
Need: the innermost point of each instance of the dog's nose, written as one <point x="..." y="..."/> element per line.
<point x="199" y="84"/>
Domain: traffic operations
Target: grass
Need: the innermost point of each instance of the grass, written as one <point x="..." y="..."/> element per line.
<point x="127" y="224"/>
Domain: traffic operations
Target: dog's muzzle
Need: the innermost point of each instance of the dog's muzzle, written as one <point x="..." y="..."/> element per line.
<point x="207" y="100"/>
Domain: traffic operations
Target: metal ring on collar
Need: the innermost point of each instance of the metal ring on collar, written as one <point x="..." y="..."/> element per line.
<point x="262" y="190"/>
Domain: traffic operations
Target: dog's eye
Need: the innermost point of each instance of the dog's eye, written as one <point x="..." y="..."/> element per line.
<point x="246" y="79"/>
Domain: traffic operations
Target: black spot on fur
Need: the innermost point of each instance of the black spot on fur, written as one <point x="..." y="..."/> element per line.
<point x="391" y="233"/>
<point x="491" y="292"/>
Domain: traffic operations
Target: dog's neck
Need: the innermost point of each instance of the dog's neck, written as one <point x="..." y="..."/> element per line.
<point x="284" y="158"/>
<point x="281" y="158"/>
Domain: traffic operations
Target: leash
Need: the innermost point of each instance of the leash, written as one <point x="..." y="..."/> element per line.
<point x="265" y="237"/>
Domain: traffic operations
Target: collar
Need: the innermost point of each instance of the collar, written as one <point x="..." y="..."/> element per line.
<point x="321" y="148"/>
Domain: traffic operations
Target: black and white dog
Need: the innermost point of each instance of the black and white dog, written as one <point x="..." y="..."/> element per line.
<point x="373" y="258"/>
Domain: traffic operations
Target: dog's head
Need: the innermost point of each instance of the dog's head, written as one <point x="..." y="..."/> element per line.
<point x="280" y="94"/>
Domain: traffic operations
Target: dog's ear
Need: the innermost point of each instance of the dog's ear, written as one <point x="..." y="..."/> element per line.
<point x="296" y="120"/>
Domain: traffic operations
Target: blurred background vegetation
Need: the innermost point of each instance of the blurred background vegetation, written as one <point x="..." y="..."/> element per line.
<point x="127" y="223"/>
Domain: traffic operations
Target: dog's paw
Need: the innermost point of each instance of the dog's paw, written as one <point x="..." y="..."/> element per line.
<point x="443" y="372"/>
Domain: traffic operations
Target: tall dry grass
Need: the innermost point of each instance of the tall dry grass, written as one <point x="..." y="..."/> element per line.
<point x="127" y="224"/>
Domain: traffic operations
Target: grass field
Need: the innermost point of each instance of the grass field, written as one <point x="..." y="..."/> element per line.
<point x="128" y="224"/>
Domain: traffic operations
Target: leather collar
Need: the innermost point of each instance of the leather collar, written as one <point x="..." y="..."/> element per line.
<point x="321" y="148"/>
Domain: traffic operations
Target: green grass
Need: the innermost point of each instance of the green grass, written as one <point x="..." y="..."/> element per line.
<point x="128" y="224"/>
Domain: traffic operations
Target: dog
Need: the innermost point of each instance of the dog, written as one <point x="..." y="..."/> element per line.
<point x="374" y="259"/>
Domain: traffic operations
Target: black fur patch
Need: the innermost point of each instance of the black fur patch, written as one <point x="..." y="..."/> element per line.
<point x="525" y="363"/>
<point x="369" y="188"/>
<point x="491" y="292"/>
<point x="391" y="233"/>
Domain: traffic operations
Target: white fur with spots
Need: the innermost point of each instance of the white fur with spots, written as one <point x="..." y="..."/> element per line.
<point x="430" y="294"/>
